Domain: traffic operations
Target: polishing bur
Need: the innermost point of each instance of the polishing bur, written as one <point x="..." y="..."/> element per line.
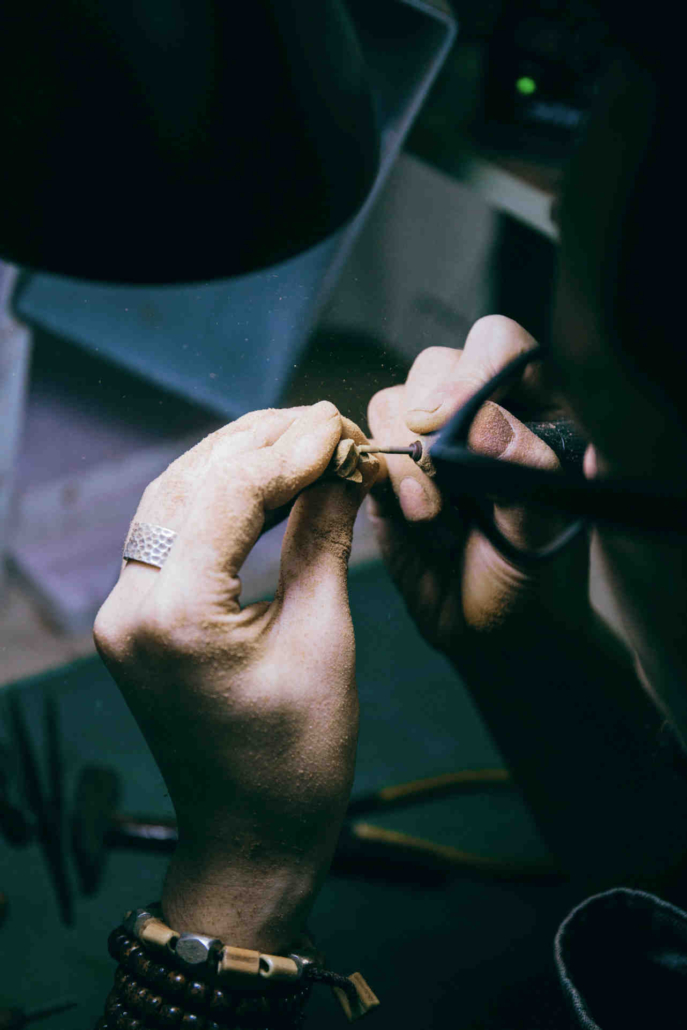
<point x="414" y="450"/>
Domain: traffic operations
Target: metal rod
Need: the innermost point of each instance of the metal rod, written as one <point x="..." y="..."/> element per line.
<point x="414" y="450"/>
<point x="52" y="852"/>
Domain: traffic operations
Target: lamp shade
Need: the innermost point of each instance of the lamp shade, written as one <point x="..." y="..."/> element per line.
<point x="172" y="141"/>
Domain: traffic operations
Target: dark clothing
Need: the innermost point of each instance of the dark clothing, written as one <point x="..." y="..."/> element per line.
<point x="622" y="962"/>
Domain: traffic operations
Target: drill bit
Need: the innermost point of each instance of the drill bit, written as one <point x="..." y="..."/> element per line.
<point x="414" y="450"/>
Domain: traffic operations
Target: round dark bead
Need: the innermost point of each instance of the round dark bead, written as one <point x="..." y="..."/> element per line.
<point x="174" y="984"/>
<point x="127" y="1021"/>
<point x="121" y="977"/>
<point x="134" y="995"/>
<point x="211" y="1025"/>
<point x="102" y="1024"/>
<point x="221" y="1004"/>
<point x="113" y="1006"/>
<point x="252" y="1008"/>
<point x="142" y="965"/>
<point x="193" y="1020"/>
<point x="157" y="976"/>
<point x="129" y="952"/>
<point x="197" y="994"/>
<point x="116" y="941"/>
<point x="152" y="1004"/>
<point x="169" y="1016"/>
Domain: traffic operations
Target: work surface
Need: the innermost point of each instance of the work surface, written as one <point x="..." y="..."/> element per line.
<point x="437" y="951"/>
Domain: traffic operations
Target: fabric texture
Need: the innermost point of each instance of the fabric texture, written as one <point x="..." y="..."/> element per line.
<point x="622" y="962"/>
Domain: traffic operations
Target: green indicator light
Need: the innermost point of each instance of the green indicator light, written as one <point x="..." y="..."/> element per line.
<point x="526" y="85"/>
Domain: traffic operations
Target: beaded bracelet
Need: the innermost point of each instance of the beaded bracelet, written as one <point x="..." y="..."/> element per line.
<point x="167" y="979"/>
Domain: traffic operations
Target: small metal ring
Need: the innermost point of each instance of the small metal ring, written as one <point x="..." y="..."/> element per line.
<point x="149" y="544"/>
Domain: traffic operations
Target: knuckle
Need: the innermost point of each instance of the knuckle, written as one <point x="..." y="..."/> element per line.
<point x="167" y="629"/>
<point x="432" y="356"/>
<point x="111" y="634"/>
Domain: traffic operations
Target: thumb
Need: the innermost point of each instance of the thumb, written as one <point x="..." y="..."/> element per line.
<point x="317" y="543"/>
<point x="441" y="379"/>
<point x="497" y="433"/>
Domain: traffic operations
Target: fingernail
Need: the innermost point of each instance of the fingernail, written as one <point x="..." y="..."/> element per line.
<point x="413" y="499"/>
<point x="590" y="465"/>
<point x="491" y="432"/>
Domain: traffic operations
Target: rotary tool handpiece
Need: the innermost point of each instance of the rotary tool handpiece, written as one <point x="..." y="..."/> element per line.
<point x="561" y="435"/>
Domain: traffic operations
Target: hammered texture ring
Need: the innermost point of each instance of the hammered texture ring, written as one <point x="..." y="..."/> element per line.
<point x="148" y="543"/>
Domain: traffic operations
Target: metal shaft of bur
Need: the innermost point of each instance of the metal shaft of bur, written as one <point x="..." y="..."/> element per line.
<point x="414" y="450"/>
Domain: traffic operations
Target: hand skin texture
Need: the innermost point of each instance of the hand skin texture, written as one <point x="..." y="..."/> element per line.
<point x="251" y="713"/>
<point x="558" y="691"/>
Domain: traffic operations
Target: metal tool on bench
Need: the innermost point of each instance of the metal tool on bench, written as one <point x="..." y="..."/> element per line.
<point x="46" y="806"/>
<point x="14" y="826"/>
<point x="15" y="1018"/>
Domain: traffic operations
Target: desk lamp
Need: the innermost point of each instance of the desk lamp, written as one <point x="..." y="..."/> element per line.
<point x="178" y="141"/>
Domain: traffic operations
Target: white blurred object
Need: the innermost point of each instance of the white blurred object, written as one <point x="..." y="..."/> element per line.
<point x="418" y="275"/>
<point x="15" y="345"/>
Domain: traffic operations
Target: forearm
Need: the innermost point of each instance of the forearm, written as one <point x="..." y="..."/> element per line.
<point x="580" y="736"/>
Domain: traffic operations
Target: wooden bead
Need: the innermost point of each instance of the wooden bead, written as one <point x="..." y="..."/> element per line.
<point x="157" y="934"/>
<point x="278" y="967"/>
<point x="239" y="961"/>
<point x="113" y="1006"/>
<point x="116" y="941"/>
<point x="173" y="985"/>
<point x="197" y="994"/>
<point x="129" y="952"/>
<point x="153" y="1003"/>
<point x="170" y="1016"/>
<point x="113" y="1009"/>
<point x="121" y="977"/>
<point x="193" y="1020"/>
<point x="221" y="1004"/>
<point x="142" y="965"/>
<point x="157" y="976"/>
<point x="134" y="996"/>
<point x="128" y="1021"/>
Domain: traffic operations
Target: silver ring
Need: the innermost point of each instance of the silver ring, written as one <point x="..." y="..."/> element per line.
<point x="148" y="543"/>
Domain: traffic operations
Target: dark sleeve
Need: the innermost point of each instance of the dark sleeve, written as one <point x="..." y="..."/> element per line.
<point x="622" y="962"/>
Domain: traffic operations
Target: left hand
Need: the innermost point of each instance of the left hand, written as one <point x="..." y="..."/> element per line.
<point x="251" y="713"/>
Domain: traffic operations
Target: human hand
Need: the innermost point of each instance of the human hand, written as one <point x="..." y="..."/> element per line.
<point x="457" y="586"/>
<point x="250" y="713"/>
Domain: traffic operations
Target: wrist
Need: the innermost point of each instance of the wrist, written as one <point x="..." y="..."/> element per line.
<point x="258" y="904"/>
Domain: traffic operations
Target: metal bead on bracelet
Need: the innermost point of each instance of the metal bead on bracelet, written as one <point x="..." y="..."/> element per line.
<point x="171" y="979"/>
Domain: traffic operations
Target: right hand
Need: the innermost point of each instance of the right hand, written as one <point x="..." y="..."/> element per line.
<point x="459" y="589"/>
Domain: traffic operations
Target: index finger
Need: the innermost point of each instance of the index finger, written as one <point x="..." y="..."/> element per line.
<point x="442" y="379"/>
<point x="229" y="509"/>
